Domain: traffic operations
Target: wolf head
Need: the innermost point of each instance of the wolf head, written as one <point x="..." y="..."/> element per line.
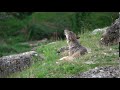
<point x="70" y="36"/>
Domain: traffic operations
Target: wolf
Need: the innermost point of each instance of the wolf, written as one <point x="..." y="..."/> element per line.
<point x="75" y="48"/>
<point x="63" y="51"/>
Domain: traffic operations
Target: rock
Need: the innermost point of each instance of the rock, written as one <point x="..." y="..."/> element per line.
<point x="111" y="36"/>
<point x="99" y="30"/>
<point x="100" y="72"/>
<point x="14" y="63"/>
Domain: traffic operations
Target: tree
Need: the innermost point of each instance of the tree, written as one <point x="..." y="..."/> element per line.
<point x="79" y="20"/>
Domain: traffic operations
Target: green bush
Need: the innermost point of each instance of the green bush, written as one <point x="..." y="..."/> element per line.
<point x="43" y="24"/>
<point x="37" y="32"/>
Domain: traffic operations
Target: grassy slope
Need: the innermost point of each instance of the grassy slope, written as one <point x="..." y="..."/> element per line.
<point x="48" y="68"/>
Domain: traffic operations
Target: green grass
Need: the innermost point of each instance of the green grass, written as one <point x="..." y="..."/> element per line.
<point x="14" y="45"/>
<point x="100" y="55"/>
<point x="49" y="22"/>
<point x="8" y="49"/>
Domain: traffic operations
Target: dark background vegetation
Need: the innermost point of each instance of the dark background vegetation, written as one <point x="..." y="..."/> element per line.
<point x="17" y="27"/>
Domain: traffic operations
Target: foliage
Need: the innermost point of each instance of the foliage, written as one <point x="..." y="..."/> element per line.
<point x="38" y="25"/>
<point x="19" y="15"/>
<point x="8" y="49"/>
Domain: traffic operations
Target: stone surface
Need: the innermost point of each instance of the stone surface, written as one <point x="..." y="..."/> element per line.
<point x="13" y="63"/>
<point x="111" y="35"/>
<point x="101" y="72"/>
<point x="99" y="30"/>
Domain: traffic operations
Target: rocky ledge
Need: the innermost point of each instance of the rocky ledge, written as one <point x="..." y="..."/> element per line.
<point x="101" y="72"/>
<point x="17" y="62"/>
